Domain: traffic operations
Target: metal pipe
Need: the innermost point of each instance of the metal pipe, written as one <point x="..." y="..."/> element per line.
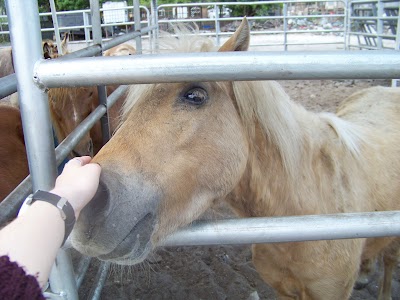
<point x="81" y="270"/>
<point x="10" y="205"/>
<point x="138" y="26"/>
<point x="86" y="25"/>
<point x="397" y="43"/>
<point x="126" y="37"/>
<point x="85" y="52"/>
<point x="104" y="121"/>
<point x="96" y="49"/>
<point x="100" y="279"/>
<point x="101" y="89"/>
<point x="288" y="229"/>
<point x="35" y="116"/>
<point x="55" y="25"/>
<point x="214" y="66"/>
<point x="33" y="101"/>
<point x="285" y="26"/>
<point x="8" y="85"/>
<point x="66" y="146"/>
<point x="96" y="21"/>
<point x="217" y="28"/>
<point x="65" y="285"/>
<point x="154" y="22"/>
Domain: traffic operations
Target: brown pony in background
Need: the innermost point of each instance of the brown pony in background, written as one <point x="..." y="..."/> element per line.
<point x="120" y="50"/>
<point x="50" y="50"/>
<point x="13" y="160"/>
<point x="183" y="146"/>
<point x="70" y="106"/>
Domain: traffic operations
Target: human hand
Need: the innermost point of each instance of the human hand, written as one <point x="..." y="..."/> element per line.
<point x="78" y="182"/>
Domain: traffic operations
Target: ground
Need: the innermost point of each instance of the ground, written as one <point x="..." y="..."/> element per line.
<point x="224" y="272"/>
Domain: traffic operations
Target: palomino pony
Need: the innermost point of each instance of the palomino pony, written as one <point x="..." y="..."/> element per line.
<point x="13" y="160"/>
<point x="182" y="146"/>
<point x="70" y="106"/>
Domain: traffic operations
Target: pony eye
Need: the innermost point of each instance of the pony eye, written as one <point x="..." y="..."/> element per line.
<point x="196" y="96"/>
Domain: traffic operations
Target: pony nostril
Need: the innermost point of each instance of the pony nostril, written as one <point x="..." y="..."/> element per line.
<point x="75" y="154"/>
<point x="100" y="201"/>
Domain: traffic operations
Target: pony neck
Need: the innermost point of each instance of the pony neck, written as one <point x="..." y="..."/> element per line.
<point x="279" y="134"/>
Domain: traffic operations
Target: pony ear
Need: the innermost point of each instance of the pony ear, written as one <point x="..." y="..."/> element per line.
<point x="64" y="43"/>
<point x="46" y="50"/>
<point x="240" y="40"/>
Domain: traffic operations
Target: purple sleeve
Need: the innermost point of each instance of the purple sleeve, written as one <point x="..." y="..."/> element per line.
<point x="15" y="284"/>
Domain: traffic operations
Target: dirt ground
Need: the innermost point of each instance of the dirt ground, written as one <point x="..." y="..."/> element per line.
<point x="224" y="272"/>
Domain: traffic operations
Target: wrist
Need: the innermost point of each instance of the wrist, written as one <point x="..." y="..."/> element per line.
<point x="45" y="211"/>
<point x="65" y="210"/>
<point x="64" y="194"/>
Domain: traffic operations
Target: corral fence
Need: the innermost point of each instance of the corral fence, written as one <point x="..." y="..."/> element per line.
<point x="362" y="24"/>
<point x="35" y="75"/>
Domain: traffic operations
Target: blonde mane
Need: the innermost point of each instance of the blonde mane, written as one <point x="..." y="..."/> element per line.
<point x="268" y="104"/>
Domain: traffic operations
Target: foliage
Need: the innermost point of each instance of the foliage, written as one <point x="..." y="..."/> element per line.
<point x="237" y="10"/>
<point x="253" y="10"/>
<point x="63" y="5"/>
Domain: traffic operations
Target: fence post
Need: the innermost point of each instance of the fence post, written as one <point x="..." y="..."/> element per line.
<point x="379" y="24"/>
<point x="285" y="26"/>
<point x="86" y="23"/>
<point x="138" y="26"/>
<point x="97" y="39"/>
<point x="217" y="27"/>
<point x="35" y="115"/>
<point x="55" y="25"/>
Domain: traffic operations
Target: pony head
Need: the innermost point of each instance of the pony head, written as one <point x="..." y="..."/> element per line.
<point x="180" y="147"/>
<point x="50" y="49"/>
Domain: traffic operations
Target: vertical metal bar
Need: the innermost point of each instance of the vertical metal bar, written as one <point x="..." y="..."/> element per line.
<point x="379" y="24"/>
<point x="62" y="270"/>
<point x="346" y="25"/>
<point x="36" y="118"/>
<point x="55" y="25"/>
<point x="285" y="26"/>
<point x="154" y="22"/>
<point x="138" y="26"/>
<point x="397" y="44"/>
<point x="101" y="277"/>
<point x="96" y="21"/>
<point x="217" y="27"/>
<point x="82" y="269"/>
<point x="33" y="101"/>
<point x="86" y="23"/>
<point x="97" y="39"/>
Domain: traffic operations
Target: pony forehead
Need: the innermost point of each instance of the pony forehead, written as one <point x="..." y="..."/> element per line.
<point x="184" y="39"/>
<point x="136" y="93"/>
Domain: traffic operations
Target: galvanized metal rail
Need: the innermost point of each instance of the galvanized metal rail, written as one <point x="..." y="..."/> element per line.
<point x="218" y="66"/>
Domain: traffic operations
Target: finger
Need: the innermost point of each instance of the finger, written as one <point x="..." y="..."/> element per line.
<point x="77" y="161"/>
<point x="95" y="169"/>
<point x="85" y="159"/>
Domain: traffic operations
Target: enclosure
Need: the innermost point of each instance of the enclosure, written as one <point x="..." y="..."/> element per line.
<point x="379" y="31"/>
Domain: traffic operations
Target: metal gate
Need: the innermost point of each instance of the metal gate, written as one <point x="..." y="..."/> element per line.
<point x="36" y="75"/>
